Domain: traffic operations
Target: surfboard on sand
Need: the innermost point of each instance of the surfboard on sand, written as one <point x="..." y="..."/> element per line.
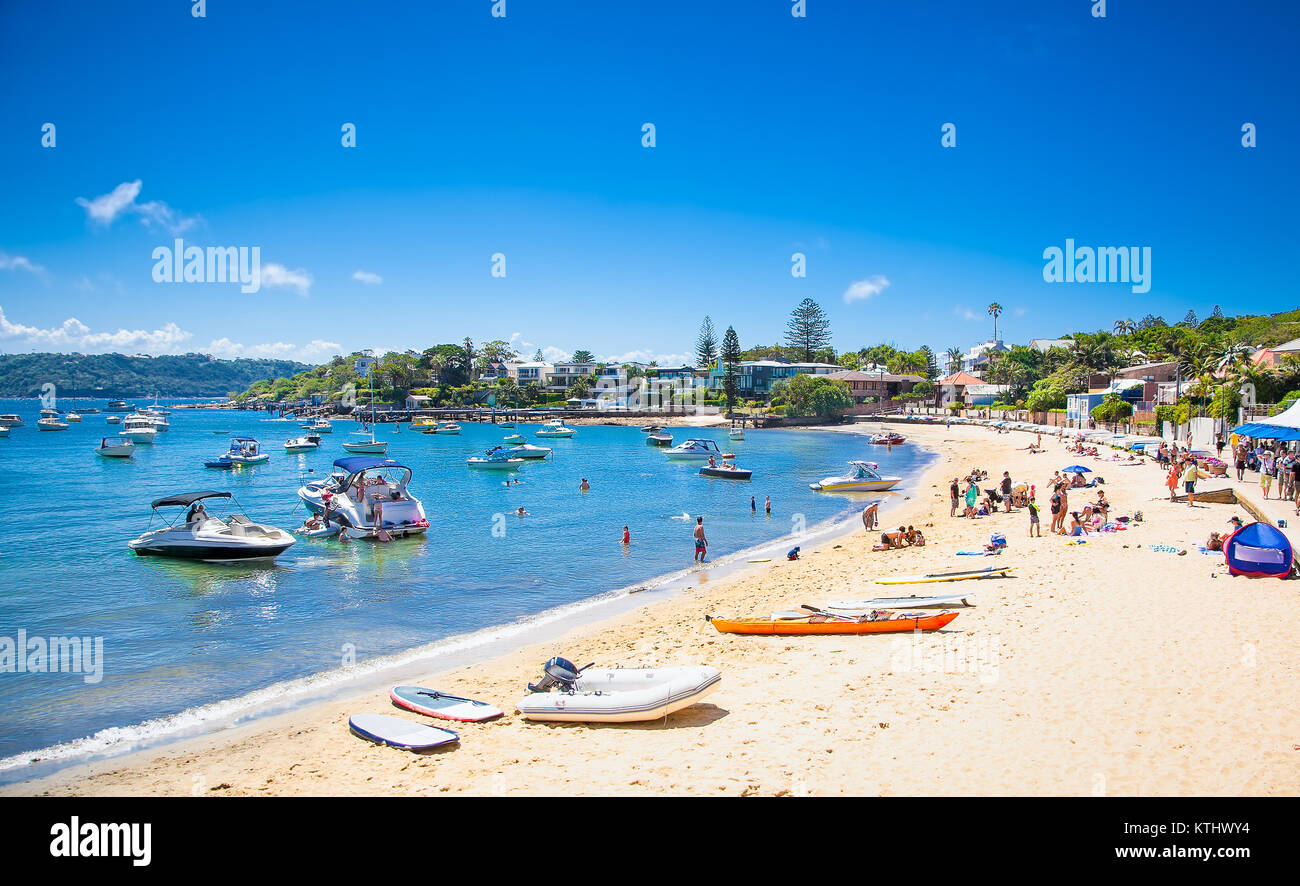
<point x="443" y="705"/>
<point x="938" y="601"/>
<point x="398" y="733"/>
<point x="990" y="572"/>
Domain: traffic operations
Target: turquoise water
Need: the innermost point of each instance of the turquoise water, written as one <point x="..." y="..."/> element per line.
<point x="179" y="635"/>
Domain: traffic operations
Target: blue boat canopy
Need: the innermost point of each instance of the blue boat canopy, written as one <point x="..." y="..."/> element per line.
<point x="357" y="463"/>
<point x="243" y="439"/>
<point x="1265" y="431"/>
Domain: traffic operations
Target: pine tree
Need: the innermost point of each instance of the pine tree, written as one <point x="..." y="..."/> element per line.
<point x="809" y="329"/>
<point x="1217" y="313"/>
<point x="537" y="357"/>
<point x="706" y="346"/>
<point x="931" y="364"/>
<point x="1190" y="320"/>
<point x="730" y="360"/>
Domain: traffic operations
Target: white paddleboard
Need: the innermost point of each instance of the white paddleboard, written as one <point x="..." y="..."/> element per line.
<point x="991" y="572"/>
<point x="398" y="733"/>
<point x="433" y="703"/>
<point x="944" y="601"/>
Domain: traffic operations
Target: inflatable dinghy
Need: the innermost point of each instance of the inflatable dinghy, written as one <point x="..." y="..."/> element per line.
<point x="615" y="695"/>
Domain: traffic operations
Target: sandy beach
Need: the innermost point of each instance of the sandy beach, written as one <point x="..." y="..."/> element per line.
<point x="1105" y="668"/>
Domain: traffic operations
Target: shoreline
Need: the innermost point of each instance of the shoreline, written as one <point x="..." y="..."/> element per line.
<point x="444" y="655"/>
<point x="1106" y="668"/>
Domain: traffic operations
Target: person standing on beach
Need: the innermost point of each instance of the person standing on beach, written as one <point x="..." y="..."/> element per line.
<point x="1171" y="481"/>
<point x="1190" y="476"/>
<point x="701" y="543"/>
<point x="869" y="516"/>
<point x="1267" y="465"/>
<point x="1033" y="520"/>
<point x="954" y="491"/>
<point x="1006" y="489"/>
<point x="1295" y="483"/>
<point x="972" y="496"/>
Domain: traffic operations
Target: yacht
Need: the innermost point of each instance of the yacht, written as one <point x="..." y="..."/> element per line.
<point x="364" y="446"/>
<point x="694" y="449"/>
<point x="736" y="434"/>
<point x="113" y="419"/>
<point x="115" y="447"/>
<point x="367" y="495"/>
<point x="229" y="539"/>
<point x="72" y="416"/>
<point x="9" y="420"/>
<point x="52" y="424"/>
<point x="319" y="426"/>
<point x="445" y="427"/>
<point x="659" y="438"/>
<point x="529" y="451"/>
<point x="555" y="428"/>
<point x="119" y="406"/>
<point x="139" y="429"/>
<point x="305" y="443"/>
<point x="865" y="477"/>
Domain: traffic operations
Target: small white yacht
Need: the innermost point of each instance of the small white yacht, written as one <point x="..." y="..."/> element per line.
<point x="229" y="539"/>
<point x="694" y="449"/>
<point x="555" y="428"/>
<point x="139" y="429"/>
<point x="51" y="424"/>
<point x="9" y="420"/>
<point x="305" y="443"/>
<point x="367" y="495"/>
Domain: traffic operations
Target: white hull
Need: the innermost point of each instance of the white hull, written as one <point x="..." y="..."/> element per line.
<point x="623" y="695"/>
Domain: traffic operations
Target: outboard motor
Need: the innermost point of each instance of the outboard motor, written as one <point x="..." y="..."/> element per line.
<point x="557" y="672"/>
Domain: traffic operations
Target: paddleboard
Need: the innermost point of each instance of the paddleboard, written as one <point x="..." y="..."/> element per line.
<point x="762" y="560"/>
<point x="943" y="601"/>
<point x="433" y="703"/>
<point x="990" y="572"/>
<point x="398" y="733"/>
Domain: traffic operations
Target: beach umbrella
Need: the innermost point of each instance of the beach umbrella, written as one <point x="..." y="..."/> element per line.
<point x="1076" y="469"/>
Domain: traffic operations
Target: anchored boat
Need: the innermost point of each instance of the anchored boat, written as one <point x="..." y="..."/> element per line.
<point x="865" y="477"/>
<point x="211" y="539"/>
<point x="367" y="495"/>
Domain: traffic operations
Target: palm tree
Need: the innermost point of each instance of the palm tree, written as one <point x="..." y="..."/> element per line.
<point x="995" y="310"/>
<point x="954" y="359"/>
<point x="1125" y="327"/>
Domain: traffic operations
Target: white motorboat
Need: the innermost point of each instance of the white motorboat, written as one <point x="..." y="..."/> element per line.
<point x="529" y="451"/>
<point x="555" y="428"/>
<point x="119" y="406"/>
<point x="139" y="429"/>
<point x="9" y="420"/>
<point x="4" y="431"/>
<point x="319" y="426"/>
<point x="367" y="495"/>
<point x="694" y="449"/>
<point x="244" y="451"/>
<point x="158" y="422"/>
<point x="233" y="538"/>
<point x="71" y="417"/>
<point x="51" y="424"/>
<point x="736" y="434"/>
<point x="865" y="477"/>
<point x="113" y="419"/>
<point x="306" y="443"/>
<point x="515" y="440"/>
<point x="115" y="447"/>
<point x="496" y="458"/>
<point x="364" y="446"/>
<point x="659" y="438"/>
<point x="615" y="695"/>
<point x="446" y="427"/>
<point x="50" y="412"/>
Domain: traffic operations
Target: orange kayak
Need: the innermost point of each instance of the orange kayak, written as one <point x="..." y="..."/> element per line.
<point x="817" y="625"/>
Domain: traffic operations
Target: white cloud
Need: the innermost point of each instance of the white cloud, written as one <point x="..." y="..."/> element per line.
<point x="315" y="351"/>
<point x="275" y="275"/>
<point x="644" y="356"/>
<point x="861" y="290"/>
<point x="1018" y="312"/>
<point x="19" y="263"/>
<point x="965" y="313"/>
<point x="106" y="208"/>
<point x="367" y="277"/>
<point x="72" y="334"/>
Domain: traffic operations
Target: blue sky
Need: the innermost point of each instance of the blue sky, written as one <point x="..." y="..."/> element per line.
<point x="522" y="136"/>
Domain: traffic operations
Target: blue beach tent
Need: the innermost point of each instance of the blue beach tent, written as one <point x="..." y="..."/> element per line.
<point x="1258" y="550"/>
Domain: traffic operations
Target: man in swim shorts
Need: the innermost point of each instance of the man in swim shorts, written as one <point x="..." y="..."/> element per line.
<point x="701" y="543"/>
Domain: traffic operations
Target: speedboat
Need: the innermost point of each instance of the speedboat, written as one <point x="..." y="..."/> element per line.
<point x="864" y="477"/>
<point x="694" y="448"/>
<point x="119" y="406"/>
<point x="887" y="438"/>
<point x="243" y="451"/>
<point x="515" y="440"/>
<point x="555" y="428"/>
<point x="113" y="419"/>
<point x="319" y="426"/>
<point x="366" y="447"/>
<point x="736" y="434"/>
<point x="139" y="429"/>
<point x="231" y="539"/>
<point x="4" y="431"/>
<point x="367" y="495"/>
<point x="497" y="458"/>
<point x="72" y="416"/>
<point x="51" y="413"/>
<point x="305" y="443"/>
<point x="528" y="450"/>
<point x="447" y="427"/>
<point x="421" y="423"/>
<point x="115" y="447"/>
<point x="726" y="471"/>
<point x="659" y="438"/>
<point x="9" y="420"/>
<point x="51" y="424"/>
